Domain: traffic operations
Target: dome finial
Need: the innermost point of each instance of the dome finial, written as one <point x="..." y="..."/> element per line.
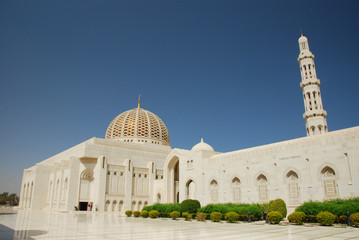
<point x="139" y="101"/>
<point x="301" y="32"/>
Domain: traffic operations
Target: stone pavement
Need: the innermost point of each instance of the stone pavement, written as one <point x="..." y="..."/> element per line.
<point x="92" y="225"/>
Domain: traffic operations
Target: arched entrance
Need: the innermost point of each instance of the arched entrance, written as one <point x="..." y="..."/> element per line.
<point x="190" y="190"/>
<point x="173" y="180"/>
<point x="86" y="189"/>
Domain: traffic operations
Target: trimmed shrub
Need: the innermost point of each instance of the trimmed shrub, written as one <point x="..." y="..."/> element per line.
<point x="136" y="213"/>
<point x="188" y="217"/>
<point x="184" y="214"/>
<point x="175" y="214"/>
<point x="274" y="217"/>
<point x="297" y="218"/>
<point x="144" y="214"/>
<point x="278" y="205"/>
<point x="216" y="216"/>
<point x="326" y="218"/>
<point x="154" y="214"/>
<point x="354" y="218"/>
<point x="190" y="205"/>
<point x="128" y="213"/>
<point x="232" y="217"/>
<point x="201" y="216"/>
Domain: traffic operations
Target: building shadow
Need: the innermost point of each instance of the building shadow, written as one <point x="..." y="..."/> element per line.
<point x="7" y="233"/>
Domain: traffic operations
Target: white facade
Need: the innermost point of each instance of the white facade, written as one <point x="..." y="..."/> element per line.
<point x="135" y="165"/>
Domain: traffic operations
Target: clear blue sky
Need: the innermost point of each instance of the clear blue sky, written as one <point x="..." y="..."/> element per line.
<point x="226" y="71"/>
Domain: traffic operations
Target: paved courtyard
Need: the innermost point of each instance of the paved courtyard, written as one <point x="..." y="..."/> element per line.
<point x="86" y="225"/>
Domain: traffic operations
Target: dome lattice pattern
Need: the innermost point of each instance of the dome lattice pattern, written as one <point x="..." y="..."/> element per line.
<point x="138" y="125"/>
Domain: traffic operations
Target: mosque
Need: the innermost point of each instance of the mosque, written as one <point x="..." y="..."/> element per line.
<point x="134" y="165"/>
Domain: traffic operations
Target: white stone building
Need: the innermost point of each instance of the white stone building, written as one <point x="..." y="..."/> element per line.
<point x="135" y="165"/>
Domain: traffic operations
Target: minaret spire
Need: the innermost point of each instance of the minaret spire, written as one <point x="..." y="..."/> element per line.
<point x="315" y="116"/>
<point x="139" y="101"/>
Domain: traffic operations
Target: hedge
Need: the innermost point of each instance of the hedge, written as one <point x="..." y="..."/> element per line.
<point x="165" y="208"/>
<point x="338" y="207"/>
<point x="240" y="209"/>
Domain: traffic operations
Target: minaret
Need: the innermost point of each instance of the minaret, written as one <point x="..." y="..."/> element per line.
<point x="314" y="116"/>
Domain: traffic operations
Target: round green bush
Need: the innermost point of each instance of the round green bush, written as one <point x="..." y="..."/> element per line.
<point x="232" y="217"/>
<point x="136" y="213"/>
<point x="175" y="214"/>
<point x="201" y="216"/>
<point x="216" y="216"/>
<point x="326" y="218"/>
<point x="274" y="217"/>
<point x="354" y="218"/>
<point x="128" y="213"/>
<point x="154" y="214"/>
<point x="297" y="218"/>
<point x="278" y="205"/>
<point x="144" y="214"/>
<point x="184" y="214"/>
<point x="190" y="205"/>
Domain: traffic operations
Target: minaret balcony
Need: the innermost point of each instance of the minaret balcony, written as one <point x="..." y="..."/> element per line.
<point x="307" y="82"/>
<point x="315" y="113"/>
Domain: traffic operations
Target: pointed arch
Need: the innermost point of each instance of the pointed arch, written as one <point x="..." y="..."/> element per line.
<point x="86" y="185"/>
<point x="292" y="180"/>
<point x="236" y="189"/>
<point x="190" y="189"/>
<point x="213" y="189"/>
<point x="329" y="183"/>
<point x="262" y="183"/>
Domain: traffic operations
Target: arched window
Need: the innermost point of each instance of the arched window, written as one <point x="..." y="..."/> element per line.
<point x="120" y="204"/>
<point x="313" y="129"/>
<point x="114" y="203"/>
<point x="158" y="198"/>
<point x="293" y="188"/>
<point x="64" y="191"/>
<point x="49" y="192"/>
<point x="236" y="189"/>
<point x="320" y="128"/>
<point x="262" y="188"/>
<point x="133" y="205"/>
<point x="329" y="183"/>
<point x="107" y="206"/>
<point x="214" y="191"/>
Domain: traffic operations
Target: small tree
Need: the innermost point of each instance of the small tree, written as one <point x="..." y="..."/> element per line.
<point x="278" y="205"/>
<point x="190" y="205"/>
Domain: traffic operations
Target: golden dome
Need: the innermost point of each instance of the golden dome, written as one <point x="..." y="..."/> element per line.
<point x="140" y="126"/>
